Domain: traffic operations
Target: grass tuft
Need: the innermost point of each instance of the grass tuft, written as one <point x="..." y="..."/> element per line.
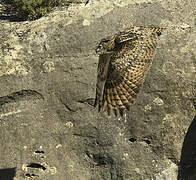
<point x="34" y="9"/>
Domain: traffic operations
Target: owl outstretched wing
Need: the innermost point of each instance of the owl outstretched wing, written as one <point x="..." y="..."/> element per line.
<point x="126" y="68"/>
<point x="102" y="70"/>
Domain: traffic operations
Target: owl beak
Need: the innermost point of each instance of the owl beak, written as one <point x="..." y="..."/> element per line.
<point x="97" y="50"/>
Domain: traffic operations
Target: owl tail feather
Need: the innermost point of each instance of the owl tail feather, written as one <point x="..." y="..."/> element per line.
<point x="114" y="96"/>
<point x="117" y="99"/>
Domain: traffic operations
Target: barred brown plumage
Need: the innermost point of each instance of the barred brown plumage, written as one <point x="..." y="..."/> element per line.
<point x="124" y="60"/>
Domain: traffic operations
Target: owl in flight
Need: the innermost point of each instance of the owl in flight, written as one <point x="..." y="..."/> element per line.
<point x="124" y="60"/>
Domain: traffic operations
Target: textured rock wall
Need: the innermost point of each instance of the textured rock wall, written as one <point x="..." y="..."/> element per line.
<point x="48" y="127"/>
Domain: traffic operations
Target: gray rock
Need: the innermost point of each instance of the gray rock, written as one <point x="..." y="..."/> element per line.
<point x="48" y="126"/>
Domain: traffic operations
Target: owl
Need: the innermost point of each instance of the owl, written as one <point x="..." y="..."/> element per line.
<point x="124" y="60"/>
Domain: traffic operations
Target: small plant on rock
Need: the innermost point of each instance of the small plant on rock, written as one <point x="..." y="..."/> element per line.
<point x="34" y="9"/>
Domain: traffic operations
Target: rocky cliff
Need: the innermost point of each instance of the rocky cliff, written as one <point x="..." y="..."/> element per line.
<point x="48" y="67"/>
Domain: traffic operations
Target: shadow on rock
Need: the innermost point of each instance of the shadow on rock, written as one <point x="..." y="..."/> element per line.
<point x="9" y="12"/>
<point x="187" y="166"/>
<point x="7" y="174"/>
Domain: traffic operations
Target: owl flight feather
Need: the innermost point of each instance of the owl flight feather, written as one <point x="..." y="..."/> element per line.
<point x="124" y="60"/>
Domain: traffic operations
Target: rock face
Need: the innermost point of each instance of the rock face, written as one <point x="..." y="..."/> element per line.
<point x="48" y="126"/>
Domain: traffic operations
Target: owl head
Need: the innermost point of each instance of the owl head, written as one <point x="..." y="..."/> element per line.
<point x="106" y="45"/>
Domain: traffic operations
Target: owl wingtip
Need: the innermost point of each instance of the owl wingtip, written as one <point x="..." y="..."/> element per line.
<point x="121" y="110"/>
<point x="115" y="111"/>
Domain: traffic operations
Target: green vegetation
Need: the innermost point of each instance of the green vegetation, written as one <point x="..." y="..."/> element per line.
<point x="34" y="9"/>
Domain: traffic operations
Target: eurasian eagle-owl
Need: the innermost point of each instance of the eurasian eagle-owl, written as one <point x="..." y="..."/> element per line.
<point x="124" y="60"/>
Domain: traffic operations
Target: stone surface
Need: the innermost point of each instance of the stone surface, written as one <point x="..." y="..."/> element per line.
<point x="48" y="126"/>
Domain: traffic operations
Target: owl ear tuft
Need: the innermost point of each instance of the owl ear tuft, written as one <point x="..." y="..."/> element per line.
<point x="121" y="38"/>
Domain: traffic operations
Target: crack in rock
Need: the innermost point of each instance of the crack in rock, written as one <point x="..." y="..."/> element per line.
<point x="89" y="101"/>
<point x="18" y="101"/>
<point x="36" y="165"/>
<point x="21" y="96"/>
